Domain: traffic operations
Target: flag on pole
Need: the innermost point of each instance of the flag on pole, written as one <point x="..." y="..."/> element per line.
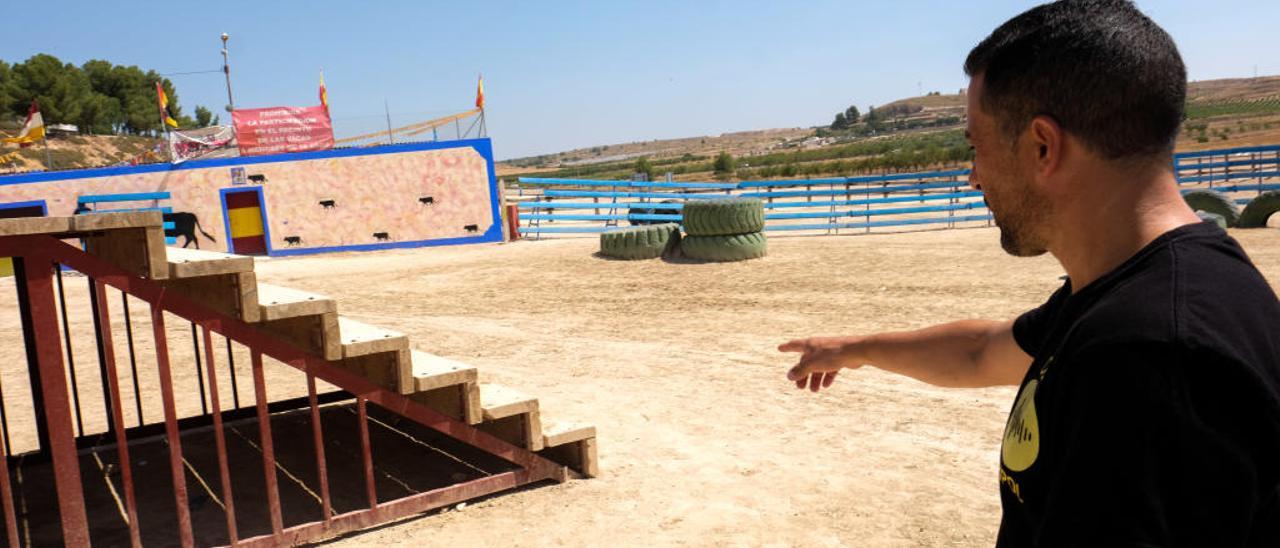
<point x="480" y="92"/>
<point x="324" y="93"/>
<point x="32" y="130"/>
<point x="164" y="106"/>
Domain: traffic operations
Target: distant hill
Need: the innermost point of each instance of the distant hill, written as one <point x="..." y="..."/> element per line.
<point x="1220" y="113"/>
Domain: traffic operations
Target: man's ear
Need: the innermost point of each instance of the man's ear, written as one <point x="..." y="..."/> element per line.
<point x="1048" y="139"/>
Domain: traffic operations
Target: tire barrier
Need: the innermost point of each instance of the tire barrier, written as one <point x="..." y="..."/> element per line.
<point x="1258" y="210"/>
<point x="1212" y="201"/>
<point x="723" y="217"/>
<point x="733" y="247"/>
<point x="643" y="242"/>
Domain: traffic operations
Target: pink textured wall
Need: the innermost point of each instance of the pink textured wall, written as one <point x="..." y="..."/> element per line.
<point x="372" y="193"/>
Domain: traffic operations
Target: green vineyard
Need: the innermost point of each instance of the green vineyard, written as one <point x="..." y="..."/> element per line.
<point x="1209" y="109"/>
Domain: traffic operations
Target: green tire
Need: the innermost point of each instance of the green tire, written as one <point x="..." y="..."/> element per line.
<point x="734" y="247"/>
<point x="1257" y="212"/>
<point x="723" y="217"/>
<point x="641" y="242"/>
<point x="1212" y="201"/>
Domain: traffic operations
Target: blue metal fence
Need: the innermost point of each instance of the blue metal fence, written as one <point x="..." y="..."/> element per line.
<point x="936" y="198"/>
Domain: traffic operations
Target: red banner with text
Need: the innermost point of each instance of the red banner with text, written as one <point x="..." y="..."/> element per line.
<point x="282" y="129"/>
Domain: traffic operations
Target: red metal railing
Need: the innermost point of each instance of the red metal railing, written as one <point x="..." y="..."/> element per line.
<point x="38" y="258"/>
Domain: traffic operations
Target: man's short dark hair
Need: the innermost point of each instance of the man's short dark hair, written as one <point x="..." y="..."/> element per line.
<point x="1104" y="71"/>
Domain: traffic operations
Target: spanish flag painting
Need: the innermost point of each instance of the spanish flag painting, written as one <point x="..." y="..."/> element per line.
<point x="164" y="106"/>
<point x="480" y="92"/>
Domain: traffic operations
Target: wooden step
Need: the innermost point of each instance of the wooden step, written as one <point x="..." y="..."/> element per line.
<point x="571" y="444"/>
<point x="133" y="241"/>
<point x="30" y="226"/>
<point x="308" y="320"/>
<point x="511" y="416"/>
<point x="446" y="386"/>
<point x="117" y="220"/>
<point x="380" y="355"/>
<point x="359" y="338"/>
<point x="316" y="334"/>
<point x="431" y="372"/>
<point x="192" y="263"/>
<point x="555" y="433"/>
<point x="234" y="294"/>
<point x="277" y="303"/>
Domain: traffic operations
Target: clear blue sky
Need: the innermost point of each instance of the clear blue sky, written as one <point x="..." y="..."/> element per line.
<point x="560" y="75"/>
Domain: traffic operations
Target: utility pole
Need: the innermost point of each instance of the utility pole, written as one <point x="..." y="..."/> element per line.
<point x="390" y="138"/>
<point x="226" y="69"/>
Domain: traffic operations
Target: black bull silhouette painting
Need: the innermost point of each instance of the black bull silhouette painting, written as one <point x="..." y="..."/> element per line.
<point x="185" y="224"/>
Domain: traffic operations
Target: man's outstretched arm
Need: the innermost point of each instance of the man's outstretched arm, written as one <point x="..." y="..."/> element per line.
<point x="963" y="354"/>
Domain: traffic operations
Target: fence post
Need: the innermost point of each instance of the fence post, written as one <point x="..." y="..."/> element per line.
<point x="56" y="404"/>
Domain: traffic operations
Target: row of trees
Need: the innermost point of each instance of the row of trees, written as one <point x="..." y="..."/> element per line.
<point x="723" y="166"/>
<point x="98" y="96"/>
<point x="875" y="118"/>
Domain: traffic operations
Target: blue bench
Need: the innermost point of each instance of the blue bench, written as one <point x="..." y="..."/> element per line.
<point x="96" y="199"/>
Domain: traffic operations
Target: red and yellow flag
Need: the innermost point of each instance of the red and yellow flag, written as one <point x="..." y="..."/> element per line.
<point x="32" y="130"/>
<point x="164" y="106"/>
<point x="480" y="92"/>
<point x="324" y="94"/>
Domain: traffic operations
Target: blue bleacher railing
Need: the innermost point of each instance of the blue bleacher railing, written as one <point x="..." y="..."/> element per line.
<point x="556" y="206"/>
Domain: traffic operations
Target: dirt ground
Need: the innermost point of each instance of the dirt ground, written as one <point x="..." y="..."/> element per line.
<point x="702" y="441"/>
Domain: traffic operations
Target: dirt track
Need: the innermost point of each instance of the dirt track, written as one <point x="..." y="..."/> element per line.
<point x="701" y="439"/>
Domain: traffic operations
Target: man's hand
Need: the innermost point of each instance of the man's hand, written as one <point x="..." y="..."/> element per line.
<point x="821" y="358"/>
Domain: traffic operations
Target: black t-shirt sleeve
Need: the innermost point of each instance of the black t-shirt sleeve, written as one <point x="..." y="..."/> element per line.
<point x="1150" y="453"/>
<point x="1030" y="329"/>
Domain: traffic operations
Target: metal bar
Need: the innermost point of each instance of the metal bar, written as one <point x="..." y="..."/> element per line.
<point x="33" y="364"/>
<point x="268" y="452"/>
<point x="102" y="347"/>
<point x="66" y="466"/>
<point x="318" y="439"/>
<point x="133" y="360"/>
<point x="102" y="316"/>
<point x="366" y="454"/>
<point x="392" y="510"/>
<point x="171" y="427"/>
<point x="219" y="437"/>
<point x="231" y="365"/>
<point x="4" y="422"/>
<point x="6" y="492"/>
<point x="196" y="422"/>
<point x="195" y="345"/>
<point x="71" y="356"/>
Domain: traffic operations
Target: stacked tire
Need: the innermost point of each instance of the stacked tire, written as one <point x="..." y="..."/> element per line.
<point x="1213" y="203"/>
<point x="720" y="230"/>
<point x="1260" y="209"/>
<point x="641" y="242"/>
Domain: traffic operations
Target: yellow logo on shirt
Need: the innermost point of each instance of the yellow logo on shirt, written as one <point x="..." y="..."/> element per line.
<point x="1021" y="443"/>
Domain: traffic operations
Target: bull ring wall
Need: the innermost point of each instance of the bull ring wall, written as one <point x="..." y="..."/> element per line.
<point x="381" y="197"/>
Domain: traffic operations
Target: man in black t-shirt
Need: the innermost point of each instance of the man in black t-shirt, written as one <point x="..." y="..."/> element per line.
<point x="1148" y="412"/>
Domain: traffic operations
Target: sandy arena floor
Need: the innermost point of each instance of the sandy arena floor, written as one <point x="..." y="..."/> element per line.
<point x="702" y="441"/>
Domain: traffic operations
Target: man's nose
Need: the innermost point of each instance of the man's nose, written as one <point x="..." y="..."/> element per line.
<point x="974" y="182"/>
